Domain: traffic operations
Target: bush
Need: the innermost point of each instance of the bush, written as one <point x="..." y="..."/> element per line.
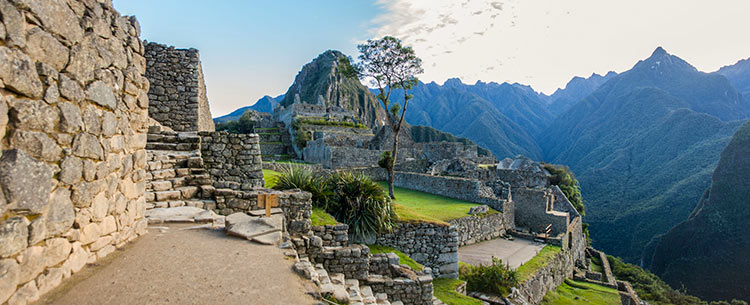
<point x="303" y="178"/>
<point x="496" y="278"/>
<point x="360" y="203"/>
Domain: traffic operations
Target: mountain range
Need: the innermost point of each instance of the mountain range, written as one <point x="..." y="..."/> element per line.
<point x="643" y="143"/>
<point x="707" y="253"/>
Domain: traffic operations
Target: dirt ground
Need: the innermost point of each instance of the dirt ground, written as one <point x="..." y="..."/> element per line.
<point x="513" y="253"/>
<point x="186" y="267"/>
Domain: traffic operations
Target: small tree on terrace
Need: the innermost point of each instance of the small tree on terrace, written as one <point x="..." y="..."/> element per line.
<point x="388" y="65"/>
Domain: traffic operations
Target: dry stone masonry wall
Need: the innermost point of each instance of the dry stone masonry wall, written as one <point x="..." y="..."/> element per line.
<point x="232" y="160"/>
<point x="73" y="122"/>
<point x="474" y="229"/>
<point x="178" y="92"/>
<point x="432" y="245"/>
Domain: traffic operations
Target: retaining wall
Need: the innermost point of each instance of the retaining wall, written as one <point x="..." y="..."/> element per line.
<point x="473" y="229"/>
<point x="73" y="123"/>
<point x="232" y="160"/>
<point x="432" y="245"/>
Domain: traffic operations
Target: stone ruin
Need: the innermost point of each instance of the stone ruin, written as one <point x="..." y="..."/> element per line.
<point x="73" y="124"/>
<point x="177" y="96"/>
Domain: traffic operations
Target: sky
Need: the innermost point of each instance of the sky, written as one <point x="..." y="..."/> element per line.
<point x="254" y="48"/>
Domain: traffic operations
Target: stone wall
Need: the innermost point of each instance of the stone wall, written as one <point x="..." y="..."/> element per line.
<point x="410" y="291"/>
<point x="534" y="211"/>
<point x="353" y="261"/>
<point x="452" y="187"/>
<point x="178" y="93"/>
<point x="432" y="245"/>
<point x="73" y="122"/>
<point x="333" y="235"/>
<point x="473" y="229"/>
<point x="546" y="279"/>
<point x="232" y="160"/>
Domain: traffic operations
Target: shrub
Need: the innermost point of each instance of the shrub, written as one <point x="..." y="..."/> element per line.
<point x="360" y="203"/>
<point x="303" y="178"/>
<point x="495" y="278"/>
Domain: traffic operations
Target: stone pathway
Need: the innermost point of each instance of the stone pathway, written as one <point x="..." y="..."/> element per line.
<point x="176" y="265"/>
<point x="512" y="252"/>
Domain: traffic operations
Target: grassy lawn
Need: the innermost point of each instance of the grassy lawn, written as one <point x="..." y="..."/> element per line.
<point x="528" y="269"/>
<point x="403" y="258"/>
<point x="445" y="290"/>
<point x="270" y="177"/>
<point x="321" y="218"/>
<point x="419" y="206"/>
<point x="573" y="293"/>
<point x="596" y="264"/>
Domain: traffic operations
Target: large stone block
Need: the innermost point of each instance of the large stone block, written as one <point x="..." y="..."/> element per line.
<point x="18" y="171"/>
<point x="18" y="73"/>
<point x="14" y="236"/>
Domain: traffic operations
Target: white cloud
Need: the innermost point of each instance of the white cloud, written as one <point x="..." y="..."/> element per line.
<point x="544" y="43"/>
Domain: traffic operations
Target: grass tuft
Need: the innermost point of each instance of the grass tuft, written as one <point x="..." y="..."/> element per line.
<point x="321" y="218"/>
<point x="528" y="269"/>
<point x="403" y="258"/>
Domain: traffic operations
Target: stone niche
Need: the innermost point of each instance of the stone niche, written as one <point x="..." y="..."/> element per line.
<point x="73" y="122"/>
<point x="178" y="93"/>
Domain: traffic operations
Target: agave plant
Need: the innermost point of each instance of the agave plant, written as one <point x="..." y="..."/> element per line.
<point x="304" y="178"/>
<point x="360" y="202"/>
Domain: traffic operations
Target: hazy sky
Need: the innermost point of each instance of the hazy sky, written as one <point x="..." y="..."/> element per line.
<point x="253" y="48"/>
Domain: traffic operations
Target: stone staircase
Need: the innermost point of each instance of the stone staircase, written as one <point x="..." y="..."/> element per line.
<point x="176" y="176"/>
<point x="336" y="286"/>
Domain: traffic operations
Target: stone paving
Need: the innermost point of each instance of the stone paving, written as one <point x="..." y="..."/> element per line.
<point x="513" y="252"/>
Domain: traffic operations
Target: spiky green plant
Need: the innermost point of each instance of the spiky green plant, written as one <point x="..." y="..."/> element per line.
<point x="361" y="203"/>
<point x="304" y="178"/>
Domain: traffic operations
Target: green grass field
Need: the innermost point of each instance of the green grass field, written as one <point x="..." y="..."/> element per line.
<point x="445" y="290"/>
<point x="415" y="206"/>
<point x="270" y="177"/>
<point x="403" y="258"/>
<point x="321" y="218"/>
<point x="528" y="269"/>
<point x="574" y="293"/>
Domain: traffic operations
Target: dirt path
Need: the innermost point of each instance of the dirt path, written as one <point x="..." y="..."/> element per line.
<point x="186" y="267"/>
<point x="513" y="253"/>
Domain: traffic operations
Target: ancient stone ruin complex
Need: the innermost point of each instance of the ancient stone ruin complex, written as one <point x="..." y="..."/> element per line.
<point x="101" y="135"/>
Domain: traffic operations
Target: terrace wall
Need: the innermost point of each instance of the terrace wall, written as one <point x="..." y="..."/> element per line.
<point x="432" y="245"/>
<point x="232" y="160"/>
<point x="73" y="123"/>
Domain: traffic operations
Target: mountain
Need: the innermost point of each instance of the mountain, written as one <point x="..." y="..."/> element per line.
<point x="739" y="75"/>
<point x="321" y="80"/>
<point x="643" y="146"/>
<point x="708" y="252"/>
<point x="501" y="117"/>
<point x="265" y="104"/>
<point x="575" y="90"/>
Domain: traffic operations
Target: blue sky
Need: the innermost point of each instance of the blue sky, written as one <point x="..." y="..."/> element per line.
<point x="252" y="48"/>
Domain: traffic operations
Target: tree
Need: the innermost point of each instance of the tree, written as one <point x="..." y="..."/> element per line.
<point x="388" y="65"/>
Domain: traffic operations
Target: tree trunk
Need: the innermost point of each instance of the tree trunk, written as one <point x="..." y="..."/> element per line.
<point x="392" y="165"/>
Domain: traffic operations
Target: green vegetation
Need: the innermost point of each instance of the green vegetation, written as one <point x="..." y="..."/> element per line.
<point x="652" y="289"/>
<point x="321" y="218"/>
<point x="418" y="205"/>
<point x="353" y="199"/>
<point x="403" y="258"/>
<point x="327" y="122"/>
<point x="361" y="203"/>
<point x="596" y="264"/>
<point x="495" y="278"/>
<point x="270" y="177"/>
<point x="572" y="292"/>
<point x="445" y="290"/>
<point x="564" y="178"/>
<point x="244" y="125"/>
<point x="528" y="269"/>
